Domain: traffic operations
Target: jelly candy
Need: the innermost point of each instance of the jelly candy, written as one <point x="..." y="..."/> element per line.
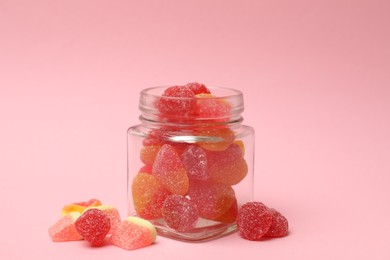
<point x="93" y="225"/>
<point x="228" y="166"/>
<point x="210" y="107"/>
<point x="212" y="199"/>
<point x="180" y="213"/>
<point x="79" y="206"/>
<point x="64" y="229"/>
<point x="112" y="213"/>
<point x="218" y="139"/>
<point x="254" y="220"/>
<point x="148" y="154"/>
<point x="169" y="170"/>
<point x="195" y="163"/>
<point x="197" y="88"/>
<point x="240" y="144"/>
<point x="279" y="225"/>
<point x="177" y="101"/>
<point x="146" y="169"/>
<point x="230" y="215"/>
<point x="148" y="196"/>
<point x="133" y="233"/>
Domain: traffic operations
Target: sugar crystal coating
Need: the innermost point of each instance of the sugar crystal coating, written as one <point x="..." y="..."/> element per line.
<point x="148" y="154"/>
<point x="177" y="101"/>
<point x="228" y="166"/>
<point x="148" y="195"/>
<point x="212" y="199"/>
<point x="169" y="170"/>
<point x="112" y="213"/>
<point x="93" y="225"/>
<point x="254" y="220"/>
<point x="211" y="107"/>
<point x="133" y="233"/>
<point x="279" y="226"/>
<point x="197" y="88"/>
<point x="195" y="162"/>
<point x="64" y="229"/>
<point x="180" y="213"/>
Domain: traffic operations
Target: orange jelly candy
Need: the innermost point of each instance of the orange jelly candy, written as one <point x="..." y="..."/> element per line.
<point x="80" y="206"/>
<point x="148" y="154"/>
<point x="148" y="196"/>
<point x="218" y="139"/>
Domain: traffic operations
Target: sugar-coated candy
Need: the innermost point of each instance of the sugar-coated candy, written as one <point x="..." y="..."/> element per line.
<point x="148" y="195"/>
<point x="212" y="108"/>
<point x="254" y="220"/>
<point x="279" y="225"/>
<point x="180" y="213"/>
<point x="197" y="88"/>
<point x="228" y="166"/>
<point x="230" y="215"/>
<point x="79" y="206"/>
<point x="240" y="144"/>
<point x="169" y="170"/>
<point x="64" y="229"/>
<point x="212" y="199"/>
<point x="93" y="225"/>
<point x="148" y="154"/>
<point x="133" y="233"/>
<point x="195" y="162"/>
<point x="146" y="169"/>
<point x="218" y="139"/>
<point x="177" y="101"/>
<point x="112" y="213"/>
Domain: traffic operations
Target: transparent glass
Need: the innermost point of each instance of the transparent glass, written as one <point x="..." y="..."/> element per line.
<point x="205" y="157"/>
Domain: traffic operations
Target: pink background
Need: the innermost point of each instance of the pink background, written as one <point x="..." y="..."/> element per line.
<point x="315" y="75"/>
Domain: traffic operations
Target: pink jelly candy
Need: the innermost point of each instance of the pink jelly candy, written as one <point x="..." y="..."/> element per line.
<point x="177" y="101"/>
<point x="228" y="166"/>
<point x="133" y="233"/>
<point x="169" y="170"/>
<point x="180" y="213"/>
<point x="279" y="225"/>
<point x="212" y="199"/>
<point x="254" y="220"/>
<point x="64" y="229"/>
<point x="197" y="88"/>
<point x="148" y="195"/>
<point x="93" y="225"/>
<point x="195" y="162"/>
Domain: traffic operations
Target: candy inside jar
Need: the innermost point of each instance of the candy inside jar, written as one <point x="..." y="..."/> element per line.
<point x="190" y="161"/>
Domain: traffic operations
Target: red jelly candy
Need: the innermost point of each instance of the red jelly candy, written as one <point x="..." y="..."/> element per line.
<point x="177" y="101"/>
<point x="180" y="213"/>
<point x="93" y="225"/>
<point x="212" y="199"/>
<point x="195" y="162"/>
<point x="254" y="220"/>
<point x="228" y="166"/>
<point x="229" y="216"/>
<point x="279" y="226"/>
<point x="169" y="170"/>
<point x="148" y="196"/>
<point x="197" y="88"/>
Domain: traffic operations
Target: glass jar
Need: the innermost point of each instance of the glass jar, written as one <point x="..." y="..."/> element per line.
<point x="190" y="163"/>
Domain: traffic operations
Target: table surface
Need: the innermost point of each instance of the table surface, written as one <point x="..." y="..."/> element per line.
<point x="315" y="78"/>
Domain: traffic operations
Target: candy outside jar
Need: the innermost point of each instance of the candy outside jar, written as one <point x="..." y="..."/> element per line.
<point x="190" y="161"/>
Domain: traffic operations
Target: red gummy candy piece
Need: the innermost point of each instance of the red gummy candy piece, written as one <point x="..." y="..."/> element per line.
<point x="229" y="216"/>
<point x="254" y="220"/>
<point x="228" y="166"/>
<point x="195" y="162"/>
<point x="210" y="107"/>
<point x="279" y="226"/>
<point x="212" y="199"/>
<point x="197" y="88"/>
<point x="93" y="225"/>
<point x="176" y="100"/>
<point x="180" y="213"/>
<point x="169" y="170"/>
<point x="148" y="196"/>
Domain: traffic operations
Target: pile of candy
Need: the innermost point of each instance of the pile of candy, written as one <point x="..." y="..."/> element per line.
<point x="181" y="182"/>
<point x="92" y="221"/>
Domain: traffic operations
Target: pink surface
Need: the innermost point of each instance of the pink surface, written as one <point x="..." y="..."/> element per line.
<point x="315" y="75"/>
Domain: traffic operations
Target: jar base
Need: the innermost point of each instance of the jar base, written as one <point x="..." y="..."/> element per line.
<point x="204" y="231"/>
